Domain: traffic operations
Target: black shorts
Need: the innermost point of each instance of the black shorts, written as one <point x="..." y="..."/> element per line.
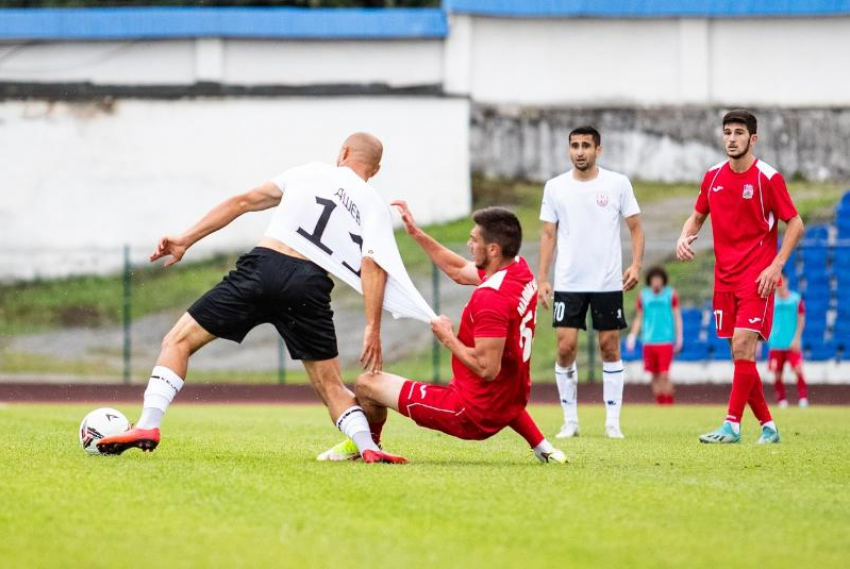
<point x="606" y="310"/>
<point x="292" y="294"/>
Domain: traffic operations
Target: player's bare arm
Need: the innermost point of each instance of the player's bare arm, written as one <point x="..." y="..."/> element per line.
<point x="484" y="360"/>
<point x="637" y="324"/>
<point x="769" y="278"/>
<point x="796" y="343"/>
<point x="374" y="280"/>
<point x="457" y="268"/>
<point x="684" y="251"/>
<point x="632" y="274"/>
<point x="261" y="198"/>
<point x="547" y="251"/>
<point x="677" y="319"/>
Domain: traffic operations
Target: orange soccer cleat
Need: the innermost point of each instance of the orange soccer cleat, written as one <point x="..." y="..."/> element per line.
<point x="379" y="456"/>
<point x="145" y="439"/>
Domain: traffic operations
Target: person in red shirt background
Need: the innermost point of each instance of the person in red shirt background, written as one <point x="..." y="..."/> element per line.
<point x="491" y="352"/>
<point x="745" y="198"/>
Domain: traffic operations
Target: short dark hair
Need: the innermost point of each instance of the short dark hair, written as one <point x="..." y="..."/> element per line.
<point x="589" y="130"/>
<point x="656" y="271"/>
<point x="743" y="117"/>
<point x="499" y="225"/>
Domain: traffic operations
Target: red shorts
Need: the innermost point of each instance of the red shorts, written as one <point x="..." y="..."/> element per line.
<point x="657" y="357"/>
<point x="743" y="309"/>
<point x="776" y="359"/>
<point x="440" y="408"/>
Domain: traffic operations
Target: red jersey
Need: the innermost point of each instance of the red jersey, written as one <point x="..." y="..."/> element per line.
<point x="503" y="306"/>
<point x="745" y="209"/>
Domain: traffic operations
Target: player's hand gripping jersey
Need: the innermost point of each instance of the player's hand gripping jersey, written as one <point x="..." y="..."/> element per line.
<point x="334" y="218"/>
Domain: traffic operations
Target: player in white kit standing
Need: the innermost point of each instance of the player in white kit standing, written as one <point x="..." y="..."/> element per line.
<point x="581" y="214"/>
<point x="327" y="218"/>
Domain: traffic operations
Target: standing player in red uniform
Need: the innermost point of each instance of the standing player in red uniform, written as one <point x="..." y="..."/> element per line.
<point x="490" y="354"/>
<point x="746" y="198"/>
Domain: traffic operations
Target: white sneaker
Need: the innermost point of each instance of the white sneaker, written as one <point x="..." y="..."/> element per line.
<point x="614" y="432"/>
<point x="568" y="430"/>
<point x="557" y="456"/>
<point x="804" y="403"/>
<point x="783" y="404"/>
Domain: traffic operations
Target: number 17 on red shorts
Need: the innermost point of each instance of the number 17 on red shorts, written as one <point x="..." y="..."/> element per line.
<point x="742" y="309"/>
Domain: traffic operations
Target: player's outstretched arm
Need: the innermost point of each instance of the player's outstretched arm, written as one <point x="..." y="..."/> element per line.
<point x="632" y="275"/>
<point x="684" y="251"/>
<point x="547" y="251"/>
<point x="456" y="267"/>
<point x="484" y="359"/>
<point x="374" y="281"/>
<point x="263" y="197"/>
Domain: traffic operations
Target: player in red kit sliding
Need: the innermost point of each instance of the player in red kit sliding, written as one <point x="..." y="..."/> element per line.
<point x="746" y="198"/>
<point x="491" y="352"/>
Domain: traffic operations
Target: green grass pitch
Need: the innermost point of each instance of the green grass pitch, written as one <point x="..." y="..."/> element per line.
<point x="237" y="486"/>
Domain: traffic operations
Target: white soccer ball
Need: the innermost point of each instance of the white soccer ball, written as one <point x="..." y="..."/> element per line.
<point x="100" y="423"/>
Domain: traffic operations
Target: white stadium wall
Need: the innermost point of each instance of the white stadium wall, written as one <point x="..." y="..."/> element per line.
<point x="82" y="177"/>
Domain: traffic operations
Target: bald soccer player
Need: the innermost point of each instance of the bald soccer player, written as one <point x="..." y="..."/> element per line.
<point x="325" y="215"/>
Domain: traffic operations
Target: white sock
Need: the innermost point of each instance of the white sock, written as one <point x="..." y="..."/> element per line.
<point x="612" y="390"/>
<point x="163" y="385"/>
<point x="352" y="422"/>
<point x="567" y="380"/>
<point x="736" y="427"/>
<point x="770" y="425"/>
<point x="544" y="447"/>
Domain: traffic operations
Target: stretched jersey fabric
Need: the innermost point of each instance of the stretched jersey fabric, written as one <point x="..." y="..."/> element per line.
<point x="744" y="209"/>
<point x="503" y="306"/>
<point x="785" y="312"/>
<point x="590" y="258"/>
<point x="334" y="218"/>
<point x="659" y="326"/>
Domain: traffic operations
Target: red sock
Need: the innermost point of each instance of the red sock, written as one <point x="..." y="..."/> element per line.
<point x="802" y="388"/>
<point x="526" y="428"/>
<point x="661" y="399"/>
<point x="376" y="429"/>
<point x="758" y="403"/>
<point x="670" y="399"/>
<point x="745" y="376"/>
<point x="780" y="389"/>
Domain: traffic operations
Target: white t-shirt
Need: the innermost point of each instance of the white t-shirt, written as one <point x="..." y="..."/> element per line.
<point x="588" y="238"/>
<point x="334" y="218"/>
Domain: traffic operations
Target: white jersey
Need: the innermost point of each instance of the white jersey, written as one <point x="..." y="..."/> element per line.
<point x="588" y="216"/>
<point x="334" y="218"/>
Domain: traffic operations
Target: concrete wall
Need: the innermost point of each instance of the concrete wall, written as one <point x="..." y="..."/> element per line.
<point x="650" y="61"/>
<point x="660" y="143"/>
<point x="397" y="63"/>
<point x="80" y="177"/>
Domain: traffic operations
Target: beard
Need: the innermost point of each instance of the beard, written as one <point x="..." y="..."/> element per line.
<point x="583" y="168"/>
<point x="740" y="153"/>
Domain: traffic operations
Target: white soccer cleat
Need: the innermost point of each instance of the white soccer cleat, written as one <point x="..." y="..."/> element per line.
<point x="614" y="432"/>
<point x="346" y="450"/>
<point x="557" y="456"/>
<point x="568" y="430"/>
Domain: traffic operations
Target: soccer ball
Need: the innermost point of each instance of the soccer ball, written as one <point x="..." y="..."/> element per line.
<point x="100" y="423"/>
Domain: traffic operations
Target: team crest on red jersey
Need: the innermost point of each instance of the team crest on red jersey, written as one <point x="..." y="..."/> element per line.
<point x="601" y="200"/>
<point x="748" y="191"/>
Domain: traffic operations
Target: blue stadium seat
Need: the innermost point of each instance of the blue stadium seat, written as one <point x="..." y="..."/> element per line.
<point x="719" y="347"/>
<point x="694" y="351"/>
<point x="631" y="356"/>
<point x="815" y="259"/>
<point x="816" y="235"/>
<point x="822" y="351"/>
